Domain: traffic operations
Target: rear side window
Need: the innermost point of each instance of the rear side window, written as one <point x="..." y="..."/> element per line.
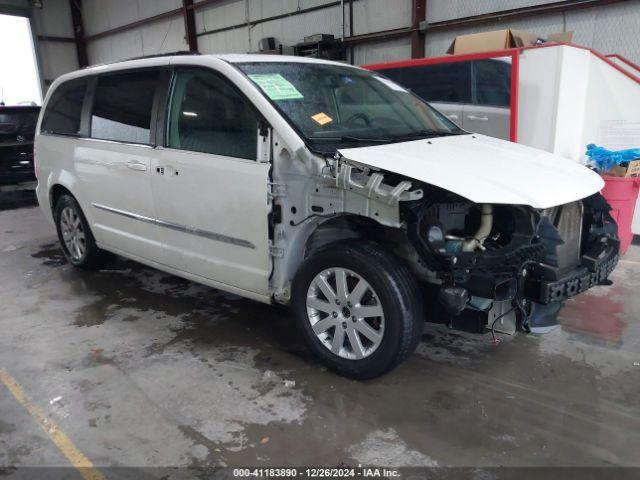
<point x="207" y="114"/>
<point x="122" y="106"/>
<point x="64" y="109"/>
<point x="444" y="82"/>
<point x="492" y="82"/>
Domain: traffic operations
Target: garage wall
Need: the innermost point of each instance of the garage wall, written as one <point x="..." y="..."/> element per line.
<point x="288" y="31"/>
<point x="608" y="29"/>
<point x="159" y="37"/>
<point x="368" y="16"/>
<point x="439" y="10"/>
<point x="168" y="35"/>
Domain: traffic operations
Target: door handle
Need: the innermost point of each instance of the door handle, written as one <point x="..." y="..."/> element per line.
<point x="137" y="166"/>
<point x="475" y="117"/>
<point x="452" y="116"/>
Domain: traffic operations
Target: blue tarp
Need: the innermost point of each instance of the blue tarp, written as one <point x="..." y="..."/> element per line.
<point x="602" y="159"/>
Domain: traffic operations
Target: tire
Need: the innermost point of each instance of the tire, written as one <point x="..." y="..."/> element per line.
<point x="389" y="289"/>
<point x="73" y="231"/>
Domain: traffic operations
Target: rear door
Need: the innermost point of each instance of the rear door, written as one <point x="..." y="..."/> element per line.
<point x="114" y="164"/>
<point x="490" y="112"/>
<point x="210" y="191"/>
<point x="446" y="86"/>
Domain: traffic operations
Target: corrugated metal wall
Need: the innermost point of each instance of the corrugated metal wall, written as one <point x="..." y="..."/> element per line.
<point x="159" y="37"/>
<point x="288" y="31"/>
<point x="609" y="29"/>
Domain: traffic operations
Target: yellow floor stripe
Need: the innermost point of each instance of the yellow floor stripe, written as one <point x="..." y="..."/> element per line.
<point x="57" y="436"/>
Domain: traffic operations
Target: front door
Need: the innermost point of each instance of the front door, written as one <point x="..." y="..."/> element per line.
<point x="210" y="191"/>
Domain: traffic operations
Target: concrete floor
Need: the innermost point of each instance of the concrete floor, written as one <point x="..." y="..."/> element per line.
<point x="140" y="368"/>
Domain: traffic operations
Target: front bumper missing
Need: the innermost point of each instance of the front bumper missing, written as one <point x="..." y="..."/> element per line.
<point x="595" y="269"/>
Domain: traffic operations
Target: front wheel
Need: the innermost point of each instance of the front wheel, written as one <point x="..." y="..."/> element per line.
<point x="359" y="308"/>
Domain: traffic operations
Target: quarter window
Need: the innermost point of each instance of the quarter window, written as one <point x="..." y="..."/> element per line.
<point x="122" y="106"/>
<point x="64" y="109"/>
<point x="208" y="115"/>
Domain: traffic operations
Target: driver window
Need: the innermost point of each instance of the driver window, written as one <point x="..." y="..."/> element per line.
<point x="208" y="115"/>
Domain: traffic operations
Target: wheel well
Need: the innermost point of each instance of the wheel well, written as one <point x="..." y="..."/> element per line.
<point x="55" y="193"/>
<point x="345" y="227"/>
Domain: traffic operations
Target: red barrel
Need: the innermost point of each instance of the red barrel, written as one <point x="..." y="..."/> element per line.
<point x="622" y="193"/>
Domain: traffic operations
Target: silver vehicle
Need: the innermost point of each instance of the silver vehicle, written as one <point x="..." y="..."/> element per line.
<point x="474" y="94"/>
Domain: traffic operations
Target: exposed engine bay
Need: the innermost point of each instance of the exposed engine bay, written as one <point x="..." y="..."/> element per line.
<point x="484" y="266"/>
<point x="510" y="266"/>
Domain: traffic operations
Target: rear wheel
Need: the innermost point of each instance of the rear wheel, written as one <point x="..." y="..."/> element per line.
<point x="77" y="241"/>
<point x="359" y="309"/>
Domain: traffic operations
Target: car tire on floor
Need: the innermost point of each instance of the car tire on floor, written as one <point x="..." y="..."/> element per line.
<point x="77" y="241"/>
<point x="358" y="307"/>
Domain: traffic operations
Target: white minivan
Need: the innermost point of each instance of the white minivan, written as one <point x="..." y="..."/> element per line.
<point x="320" y="185"/>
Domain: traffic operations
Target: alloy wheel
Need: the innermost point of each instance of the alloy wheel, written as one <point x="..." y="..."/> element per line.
<point x="73" y="233"/>
<point x="345" y="313"/>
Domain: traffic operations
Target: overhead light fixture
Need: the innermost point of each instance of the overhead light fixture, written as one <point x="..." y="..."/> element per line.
<point x="190" y="114"/>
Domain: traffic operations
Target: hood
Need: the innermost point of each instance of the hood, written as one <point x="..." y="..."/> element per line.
<point x="484" y="169"/>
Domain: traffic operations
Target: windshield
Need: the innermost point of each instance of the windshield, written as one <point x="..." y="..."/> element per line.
<point x="334" y="106"/>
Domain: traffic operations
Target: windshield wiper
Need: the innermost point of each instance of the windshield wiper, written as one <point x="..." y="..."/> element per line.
<point x="351" y="138"/>
<point x="423" y="133"/>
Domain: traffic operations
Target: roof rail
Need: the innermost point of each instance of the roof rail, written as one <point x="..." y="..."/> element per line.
<point x="168" y="54"/>
<point x="155" y="55"/>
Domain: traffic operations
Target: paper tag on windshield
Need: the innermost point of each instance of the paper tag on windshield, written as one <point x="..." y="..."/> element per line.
<point x="322" y="118"/>
<point x="391" y="85"/>
<point x="276" y="86"/>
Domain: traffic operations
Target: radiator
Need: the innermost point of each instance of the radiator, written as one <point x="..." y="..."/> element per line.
<point x="568" y="220"/>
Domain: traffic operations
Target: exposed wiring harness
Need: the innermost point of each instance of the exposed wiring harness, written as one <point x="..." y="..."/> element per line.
<point x="517" y="305"/>
<point x="502" y="315"/>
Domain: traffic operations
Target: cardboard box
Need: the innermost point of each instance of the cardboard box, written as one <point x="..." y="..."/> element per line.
<point x="632" y="170"/>
<point x="501" y="40"/>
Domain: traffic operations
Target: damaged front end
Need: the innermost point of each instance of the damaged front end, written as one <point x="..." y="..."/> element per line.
<point x="483" y="266"/>
<point x="504" y="267"/>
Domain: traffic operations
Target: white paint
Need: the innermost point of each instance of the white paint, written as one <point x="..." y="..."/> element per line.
<point x="485" y="169"/>
<point x="572" y="102"/>
<point x="632" y="69"/>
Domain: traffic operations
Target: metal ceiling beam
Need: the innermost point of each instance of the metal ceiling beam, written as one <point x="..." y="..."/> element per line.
<point x="266" y="19"/>
<point x="379" y="36"/>
<point x="138" y="23"/>
<point x="49" y="38"/>
<point x="515" y="14"/>
<point x="418" y="15"/>
<point x="191" y="7"/>
<point x="78" y="32"/>
<point x="189" y="15"/>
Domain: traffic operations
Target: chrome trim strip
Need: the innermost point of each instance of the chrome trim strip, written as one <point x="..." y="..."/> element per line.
<point x="124" y="213"/>
<point x="115" y="142"/>
<point x="179" y="228"/>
